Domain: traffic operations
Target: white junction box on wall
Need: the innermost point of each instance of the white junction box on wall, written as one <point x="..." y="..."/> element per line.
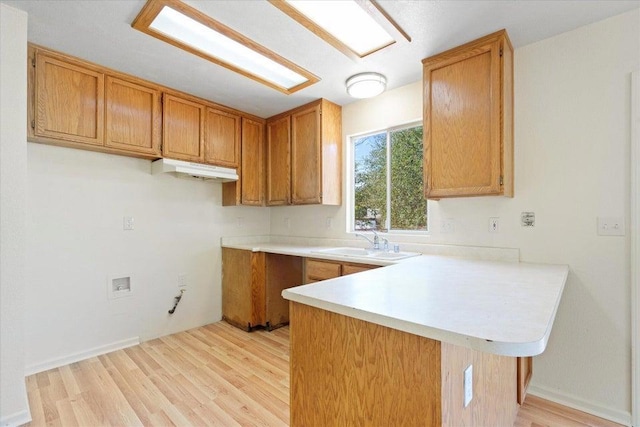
<point x="119" y="286"/>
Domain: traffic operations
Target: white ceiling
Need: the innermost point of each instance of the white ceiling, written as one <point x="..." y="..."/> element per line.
<point x="100" y="31"/>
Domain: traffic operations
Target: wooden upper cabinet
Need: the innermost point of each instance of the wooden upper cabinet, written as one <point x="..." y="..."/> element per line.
<point x="222" y="138"/>
<point x="279" y="161"/>
<point x="68" y="101"/>
<point x="182" y="128"/>
<point x="468" y="119"/>
<point x="252" y="169"/>
<point x="133" y="117"/>
<point x="306" y="156"/>
<point x="315" y="158"/>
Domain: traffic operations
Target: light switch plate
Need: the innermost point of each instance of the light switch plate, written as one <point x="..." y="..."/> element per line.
<point x="610" y="226"/>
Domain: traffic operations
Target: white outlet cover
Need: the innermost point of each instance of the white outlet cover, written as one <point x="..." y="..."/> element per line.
<point x="494" y="225"/>
<point x="447" y="226"/>
<point x="610" y="226"/>
<point x="468" y="385"/>
<point x="127" y="223"/>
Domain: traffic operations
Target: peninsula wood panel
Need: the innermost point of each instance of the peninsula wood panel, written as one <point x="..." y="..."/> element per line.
<point x="222" y="138"/>
<point x="468" y="119"/>
<point x="69" y="101"/>
<point x="345" y="371"/>
<point x="133" y="116"/>
<point x="243" y="290"/>
<point x="282" y="272"/>
<point x="183" y="128"/>
<point x="279" y="161"/>
<point x="252" y="170"/>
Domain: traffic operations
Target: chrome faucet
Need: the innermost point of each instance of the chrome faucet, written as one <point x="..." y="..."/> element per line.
<point x="375" y="243"/>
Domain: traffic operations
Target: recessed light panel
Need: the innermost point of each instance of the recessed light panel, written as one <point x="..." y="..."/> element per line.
<point x="176" y="23"/>
<point x="356" y="28"/>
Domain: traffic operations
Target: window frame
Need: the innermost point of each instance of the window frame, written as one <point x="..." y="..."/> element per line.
<point x="351" y="177"/>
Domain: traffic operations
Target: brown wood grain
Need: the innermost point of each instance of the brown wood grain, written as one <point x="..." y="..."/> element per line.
<point x="345" y="371"/>
<point x="306" y="156"/>
<point x="278" y="173"/>
<point x="316" y="270"/>
<point x="468" y="121"/>
<point x="352" y="268"/>
<point x="133" y="116"/>
<point x="182" y="128"/>
<point x="211" y="375"/>
<point x="243" y="293"/>
<point x="525" y="372"/>
<point x="69" y="101"/>
<point x="222" y="133"/>
<point x="252" y="159"/>
<point x="331" y="153"/>
<point x="282" y="272"/>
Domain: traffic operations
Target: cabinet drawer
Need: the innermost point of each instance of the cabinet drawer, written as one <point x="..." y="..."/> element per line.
<point x="322" y="270"/>
<point x="356" y="268"/>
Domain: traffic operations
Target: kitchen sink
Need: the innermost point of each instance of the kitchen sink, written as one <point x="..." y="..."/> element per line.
<point x="366" y="253"/>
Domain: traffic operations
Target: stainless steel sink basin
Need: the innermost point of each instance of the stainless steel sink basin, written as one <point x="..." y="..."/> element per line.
<point x="366" y="253"/>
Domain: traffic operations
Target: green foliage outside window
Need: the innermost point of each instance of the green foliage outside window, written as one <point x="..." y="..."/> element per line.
<point x="408" y="208"/>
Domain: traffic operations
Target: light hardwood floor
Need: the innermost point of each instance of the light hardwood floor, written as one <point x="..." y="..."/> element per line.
<point x="212" y="375"/>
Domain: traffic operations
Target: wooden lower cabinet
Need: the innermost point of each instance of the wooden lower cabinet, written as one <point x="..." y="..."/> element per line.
<point x="525" y="371"/>
<point x="346" y="371"/>
<point x="252" y="284"/>
<point x="317" y="269"/>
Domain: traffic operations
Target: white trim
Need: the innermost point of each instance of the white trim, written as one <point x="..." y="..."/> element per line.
<point x="611" y="414"/>
<point x="634" y="228"/>
<point x="17" y="419"/>
<point x="76" y="357"/>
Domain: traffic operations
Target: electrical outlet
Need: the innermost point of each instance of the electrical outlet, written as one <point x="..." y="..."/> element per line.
<point x="287" y="223"/>
<point x="468" y="385"/>
<point x="610" y="226"/>
<point x="494" y="225"/>
<point x="329" y="222"/>
<point x="127" y="223"/>
<point x="239" y="221"/>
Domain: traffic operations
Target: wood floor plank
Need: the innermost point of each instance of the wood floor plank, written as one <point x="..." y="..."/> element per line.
<point x="215" y="375"/>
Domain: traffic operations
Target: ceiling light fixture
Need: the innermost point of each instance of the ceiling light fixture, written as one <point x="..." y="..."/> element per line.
<point x="191" y="30"/>
<point x="356" y="28"/>
<point x="366" y="85"/>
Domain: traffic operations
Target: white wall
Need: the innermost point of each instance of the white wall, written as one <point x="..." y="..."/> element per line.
<point x="14" y="408"/>
<point x="75" y="241"/>
<point x="572" y="111"/>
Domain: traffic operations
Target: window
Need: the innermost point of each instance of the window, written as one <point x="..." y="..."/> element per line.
<point x="388" y="181"/>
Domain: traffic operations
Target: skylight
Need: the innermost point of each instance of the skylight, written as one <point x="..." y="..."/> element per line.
<point x="189" y="29"/>
<point x="356" y="28"/>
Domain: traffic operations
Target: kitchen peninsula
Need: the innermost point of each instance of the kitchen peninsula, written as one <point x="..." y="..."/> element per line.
<point x="390" y="346"/>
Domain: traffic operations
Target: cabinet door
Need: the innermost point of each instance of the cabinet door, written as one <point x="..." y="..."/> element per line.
<point x="356" y="268"/>
<point x="222" y="138"/>
<point x="306" y="160"/>
<point x="279" y="162"/>
<point x="252" y="170"/>
<point x="133" y="117"/>
<point x="462" y="123"/>
<point x="316" y="270"/>
<point x="243" y="288"/>
<point x="282" y="272"/>
<point x="69" y="101"/>
<point x="182" y="128"/>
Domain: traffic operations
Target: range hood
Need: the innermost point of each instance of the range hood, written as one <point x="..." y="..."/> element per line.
<point x="197" y="170"/>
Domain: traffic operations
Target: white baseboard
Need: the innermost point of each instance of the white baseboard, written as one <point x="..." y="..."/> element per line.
<point x="76" y="357"/>
<point x="615" y="415"/>
<point x="16" y="419"/>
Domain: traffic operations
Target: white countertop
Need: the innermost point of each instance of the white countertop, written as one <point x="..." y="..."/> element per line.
<point x="505" y="308"/>
<point x="495" y="307"/>
<point x="308" y="252"/>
